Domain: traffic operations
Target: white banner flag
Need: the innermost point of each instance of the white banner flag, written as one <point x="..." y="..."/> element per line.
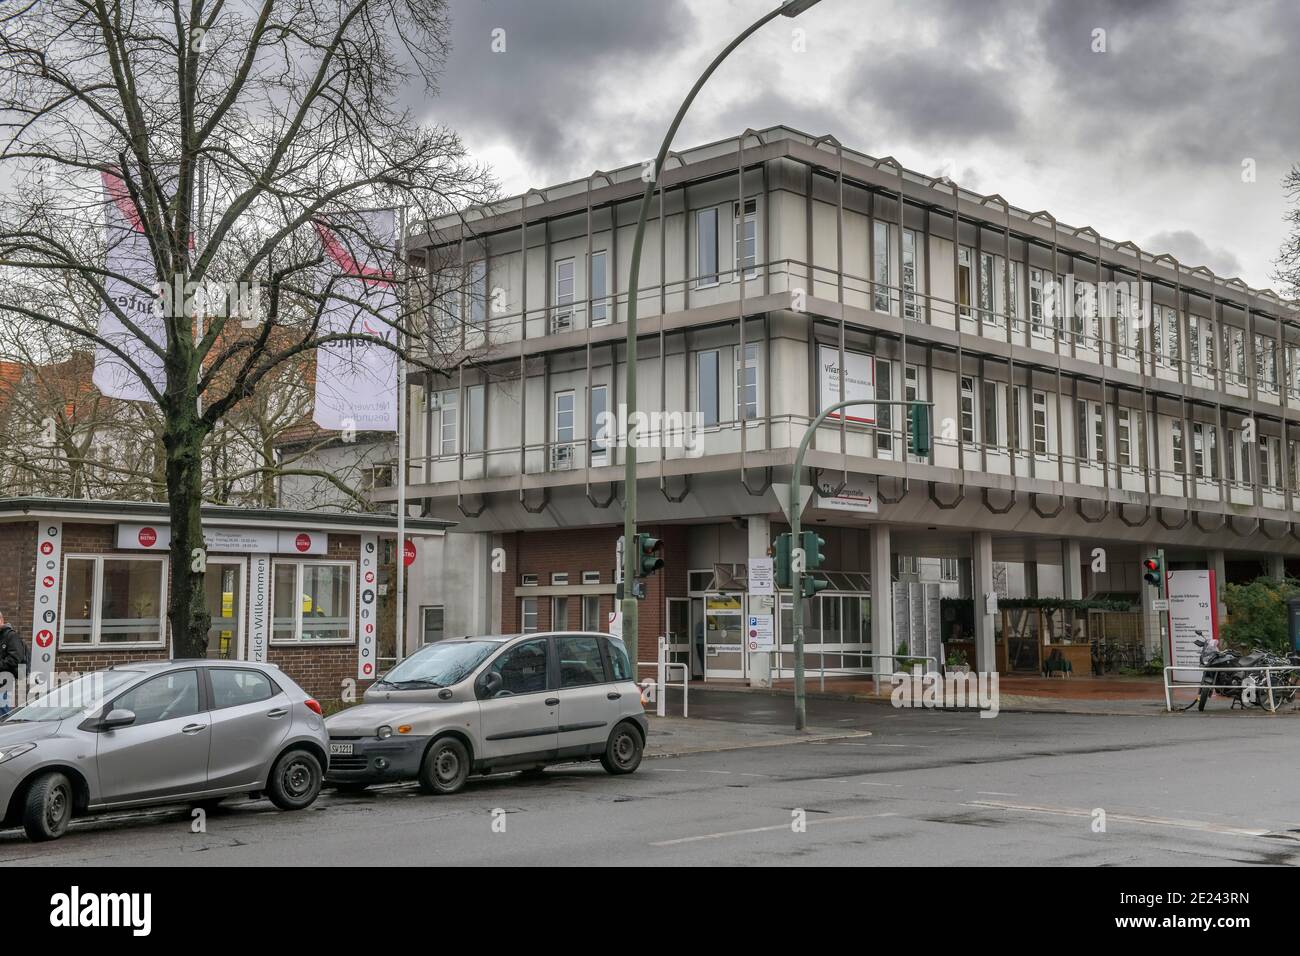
<point x="356" y="381"/>
<point x="129" y="258"/>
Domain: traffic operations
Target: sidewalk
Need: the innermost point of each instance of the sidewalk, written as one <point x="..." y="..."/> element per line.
<point x="672" y="736"/>
<point x="1121" y="696"/>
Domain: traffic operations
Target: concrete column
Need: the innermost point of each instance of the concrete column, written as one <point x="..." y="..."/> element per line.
<point x="1277" y="567"/>
<point x="1215" y="561"/>
<point x="760" y="535"/>
<point x="982" y="586"/>
<point x="882" y="599"/>
<point x="1071" y="570"/>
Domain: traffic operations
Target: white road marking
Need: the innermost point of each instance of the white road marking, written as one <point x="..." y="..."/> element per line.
<point x="1202" y="825"/>
<point x="780" y="826"/>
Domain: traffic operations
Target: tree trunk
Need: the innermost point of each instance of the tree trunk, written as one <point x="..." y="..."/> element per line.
<point x="186" y="607"/>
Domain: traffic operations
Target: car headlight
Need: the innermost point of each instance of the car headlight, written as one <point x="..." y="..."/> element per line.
<point x="8" y="753"/>
<point x="384" y="732"/>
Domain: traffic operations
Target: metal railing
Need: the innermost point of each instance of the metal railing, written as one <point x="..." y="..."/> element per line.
<point x="663" y="666"/>
<point x="1289" y="690"/>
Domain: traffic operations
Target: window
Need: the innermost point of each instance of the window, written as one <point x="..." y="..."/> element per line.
<point x="991" y="430"/>
<point x="528" y="580"/>
<point x="619" y="665"/>
<point x="1037" y="303"/>
<point x="475" y="420"/>
<point x="165" y="697"/>
<point x="1040" y="423"/>
<point x="1230" y="455"/>
<point x="565" y="283"/>
<point x="912" y="244"/>
<point x="1014" y="441"/>
<point x="746" y="239"/>
<point x="234" y="687"/>
<point x="1212" y="448"/>
<point x="559" y="578"/>
<point x="1245" y="461"/>
<point x="522" y="668"/>
<point x="1265" y="363"/>
<point x="476" y="295"/>
<point x="591" y="620"/>
<point x="747" y="385"/>
<point x="965" y="277"/>
<point x="912" y="392"/>
<point x="559" y="613"/>
<point x="432" y="621"/>
<point x="988" y="282"/>
<point x="1198" y="449"/>
<point x="1099" y="432"/>
<point x="706" y="238"/>
<point x="448" y="422"/>
<point x="590" y="577"/>
<point x="113" y="601"/>
<point x="1265" y="471"/>
<point x="1123" y="437"/>
<point x="1081" y="430"/>
<point x="580" y="661"/>
<point x="598" y="429"/>
<point x="564" y="416"/>
<point x="1194" y="343"/>
<point x="947" y="569"/>
<point x="967" y="409"/>
<point x="528" y="615"/>
<point x="311" y="601"/>
<point x="599" y="289"/>
<point x="706" y="377"/>
<point x="884" y="416"/>
<point x="1176" y="432"/>
<point x="880" y="266"/>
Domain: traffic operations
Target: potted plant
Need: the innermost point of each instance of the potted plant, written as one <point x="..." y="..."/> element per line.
<point x="956" y="662"/>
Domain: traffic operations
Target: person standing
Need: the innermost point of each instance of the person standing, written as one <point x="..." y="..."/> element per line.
<point x="13" y="664"/>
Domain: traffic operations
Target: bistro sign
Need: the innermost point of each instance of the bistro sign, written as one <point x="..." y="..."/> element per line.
<point x="222" y="540"/>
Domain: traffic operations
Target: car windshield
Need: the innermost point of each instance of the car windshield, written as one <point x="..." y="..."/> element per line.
<point x="438" y="665"/>
<point x="72" y="698"/>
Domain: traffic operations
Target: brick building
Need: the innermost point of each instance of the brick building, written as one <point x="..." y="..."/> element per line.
<point x="85" y="583"/>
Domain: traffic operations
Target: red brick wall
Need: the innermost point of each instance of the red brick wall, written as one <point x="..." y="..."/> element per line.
<point x="591" y="549"/>
<point x="320" y="669"/>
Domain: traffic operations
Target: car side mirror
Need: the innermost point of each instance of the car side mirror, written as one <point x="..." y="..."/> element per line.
<point x="490" y="684"/>
<point x="118" y="717"/>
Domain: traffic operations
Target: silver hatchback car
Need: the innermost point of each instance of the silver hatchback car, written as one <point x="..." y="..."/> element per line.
<point x="488" y="704"/>
<point x="160" y="732"/>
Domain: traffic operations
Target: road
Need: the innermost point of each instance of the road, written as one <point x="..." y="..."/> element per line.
<point x="924" y="787"/>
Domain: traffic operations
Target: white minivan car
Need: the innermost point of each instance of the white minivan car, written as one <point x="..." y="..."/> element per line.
<point x="490" y="704"/>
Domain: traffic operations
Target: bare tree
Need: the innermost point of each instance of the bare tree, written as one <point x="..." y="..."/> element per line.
<point x="233" y="127"/>
<point x="1288" y="261"/>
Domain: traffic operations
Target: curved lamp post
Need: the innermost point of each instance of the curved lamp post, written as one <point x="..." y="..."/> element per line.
<point x="631" y="559"/>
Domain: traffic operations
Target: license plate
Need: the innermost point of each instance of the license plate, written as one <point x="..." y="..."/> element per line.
<point x="340" y="750"/>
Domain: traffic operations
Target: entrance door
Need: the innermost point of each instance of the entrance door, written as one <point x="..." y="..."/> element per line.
<point x="223" y="586"/>
<point x="679" y="632"/>
<point x="724" y="635"/>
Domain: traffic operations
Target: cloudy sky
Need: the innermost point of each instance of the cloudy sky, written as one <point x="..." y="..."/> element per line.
<point x="1144" y="141"/>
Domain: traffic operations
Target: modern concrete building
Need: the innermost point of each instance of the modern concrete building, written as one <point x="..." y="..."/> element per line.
<point x="1092" y="400"/>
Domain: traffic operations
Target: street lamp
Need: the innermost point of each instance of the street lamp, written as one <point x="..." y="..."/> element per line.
<point x="790" y="8"/>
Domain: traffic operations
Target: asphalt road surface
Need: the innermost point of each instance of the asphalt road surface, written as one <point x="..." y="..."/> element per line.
<point x="924" y="787"/>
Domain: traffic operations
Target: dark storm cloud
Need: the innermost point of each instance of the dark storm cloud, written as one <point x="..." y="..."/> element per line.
<point x="1191" y="250"/>
<point x="544" y="91"/>
<point x="928" y="98"/>
<point x="1206" y="81"/>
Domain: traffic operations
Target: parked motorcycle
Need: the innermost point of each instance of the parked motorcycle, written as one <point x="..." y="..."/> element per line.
<point x="1224" y="683"/>
<point x="1247" y="686"/>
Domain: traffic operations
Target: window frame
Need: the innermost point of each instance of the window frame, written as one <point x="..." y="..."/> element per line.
<point x="750" y="218"/>
<point x="600" y="304"/>
<point x="562" y="311"/>
<point x="716" y="397"/>
<point x="424" y="626"/>
<point x="300" y="565"/>
<point x="97" y="601"/>
<point x="742" y="374"/>
<point x="706" y="279"/>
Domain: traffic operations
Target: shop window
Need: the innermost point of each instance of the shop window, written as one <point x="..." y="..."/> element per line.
<point x="113" y="601"/>
<point x="312" y="602"/>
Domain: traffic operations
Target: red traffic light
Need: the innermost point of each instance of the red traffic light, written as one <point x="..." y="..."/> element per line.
<point x="1151" y="564"/>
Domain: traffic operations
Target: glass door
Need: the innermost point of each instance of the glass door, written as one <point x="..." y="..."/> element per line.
<point x="678" y="632"/>
<point x="223" y="587"/>
<point x="724" y="635"/>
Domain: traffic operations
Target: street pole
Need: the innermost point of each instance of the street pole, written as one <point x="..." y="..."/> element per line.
<point x="399" y="624"/>
<point x="790" y="8"/>
<point x="796" y="570"/>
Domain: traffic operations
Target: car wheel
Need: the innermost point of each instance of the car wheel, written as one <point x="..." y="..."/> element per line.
<point x="445" y="767"/>
<point x="48" y="807"/>
<point x="295" y="780"/>
<point x="623" y="751"/>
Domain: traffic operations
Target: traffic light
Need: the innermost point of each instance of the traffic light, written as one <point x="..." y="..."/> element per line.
<point x="812" y="544"/>
<point x="918" y="420"/>
<point x="784" y="576"/>
<point x="1154" y="572"/>
<point x="649" y="551"/>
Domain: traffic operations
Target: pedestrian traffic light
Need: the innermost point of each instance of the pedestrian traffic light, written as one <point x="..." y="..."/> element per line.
<point x="812" y="544"/>
<point x="1154" y="572"/>
<point x="649" y="551"/>
<point x="918" y="420"/>
<point x="784" y="576"/>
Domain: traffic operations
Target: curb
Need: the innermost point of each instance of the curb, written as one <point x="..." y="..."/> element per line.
<point x="755" y="744"/>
